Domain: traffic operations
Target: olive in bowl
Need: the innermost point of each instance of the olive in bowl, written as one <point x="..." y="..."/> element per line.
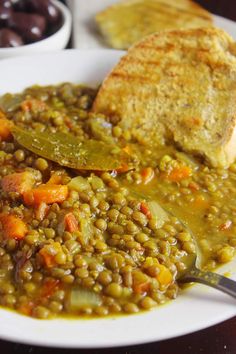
<point x="31" y="27"/>
<point x="5" y="11"/>
<point x="45" y="8"/>
<point x="28" y="26"/>
<point x="9" y="38"/>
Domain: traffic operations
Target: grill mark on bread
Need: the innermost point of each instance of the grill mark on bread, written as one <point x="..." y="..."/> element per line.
<point x="167" y="48"/>
<point x="124" y="76"/>
<point x="202" y="12"/>
<point x="179" y="11"/>
<point x="133" y="60"/>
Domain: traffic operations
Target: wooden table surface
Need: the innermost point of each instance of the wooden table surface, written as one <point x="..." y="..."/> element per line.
<point x="220" y="339"/>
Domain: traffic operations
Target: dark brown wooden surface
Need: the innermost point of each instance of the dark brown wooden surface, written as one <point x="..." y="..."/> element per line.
<point x="225" y="8"/>
<point x="220" y="339"/>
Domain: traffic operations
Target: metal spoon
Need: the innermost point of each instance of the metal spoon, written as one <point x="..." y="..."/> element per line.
<point x="217" y="281"/>
<point x="192" y="273"/>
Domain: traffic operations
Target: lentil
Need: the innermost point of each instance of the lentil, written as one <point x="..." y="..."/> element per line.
<point x="114" y="290"/>
<point x="117" y="246"/>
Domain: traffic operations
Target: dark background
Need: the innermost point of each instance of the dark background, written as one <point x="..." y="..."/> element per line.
<point x="225" y="8"/>
<point x="220" y="339"/>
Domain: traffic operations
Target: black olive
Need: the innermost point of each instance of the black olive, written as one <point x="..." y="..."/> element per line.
<point x="31" y="27"/>
<point x="45" y="8"/>
<point x="5" y="11"/>
<point x="9" y="38"/>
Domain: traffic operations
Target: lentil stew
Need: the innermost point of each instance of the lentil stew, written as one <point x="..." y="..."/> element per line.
<point x="94" y="243"/>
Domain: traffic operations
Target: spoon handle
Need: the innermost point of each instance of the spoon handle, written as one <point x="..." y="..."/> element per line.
<point x="214" y="280"/>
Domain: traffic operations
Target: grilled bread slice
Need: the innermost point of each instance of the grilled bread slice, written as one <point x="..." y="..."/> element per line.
<point x="128" y="21"/>
<point x="177" y="86"/>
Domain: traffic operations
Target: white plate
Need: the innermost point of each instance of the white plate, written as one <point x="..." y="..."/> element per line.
<point x="197" y="308"/>
<point x="84" y="29"/>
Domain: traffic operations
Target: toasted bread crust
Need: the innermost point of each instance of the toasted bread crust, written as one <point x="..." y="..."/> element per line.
<point x="128" y="21"/>
<point x="177" y="86"/>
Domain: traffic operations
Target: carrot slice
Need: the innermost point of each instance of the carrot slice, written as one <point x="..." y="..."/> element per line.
<point x="47" y="193"/>
<point x="179" y="173"/>
<point x="28" y="197"/>
<point x="2" y="115"/>
<point x="48" y="253"/>
<point x="201" y="202"/>
<point x="71" y="223"/>
<point x="145" y="210"/>
<point x="49" y="259"/>
<point x="141" y="288"/>
<point x="194" y="186"/>
<point x="147" y="175"/>
<point x="13" y="227"/>
<point x="5" y="127"/>
<point x="164" y="277"/>
<point x="18" y="182"/>
<point x="26" y="308"/>
<point x="123" y="168"/>
<point x="49" y="287"/>
<point x="55" y="179"/>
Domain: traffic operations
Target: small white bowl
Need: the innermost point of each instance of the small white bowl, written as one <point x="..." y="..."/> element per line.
<point x="56" y="41"/>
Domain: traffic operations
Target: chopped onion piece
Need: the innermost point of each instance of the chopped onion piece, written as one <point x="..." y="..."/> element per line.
<point x="81" y="298"/>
